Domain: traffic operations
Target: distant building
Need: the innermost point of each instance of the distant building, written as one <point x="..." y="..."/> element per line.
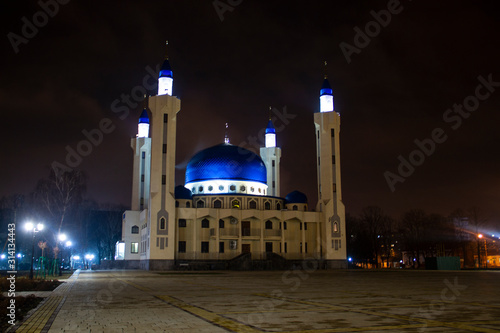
<point x="230" y="208"/>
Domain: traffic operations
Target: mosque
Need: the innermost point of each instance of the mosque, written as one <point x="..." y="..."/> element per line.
<point x="229" y="214"/>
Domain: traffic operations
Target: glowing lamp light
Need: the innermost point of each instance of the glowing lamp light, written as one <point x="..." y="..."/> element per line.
<point x="480" y="236"/>
<point x="19" y="255"/>
<point x="2" y="256"/>
<point x="62" y="237"/>
<point x="350" y="259"/>
<point x="68" y="243"/>
<point x="76" y="257"/>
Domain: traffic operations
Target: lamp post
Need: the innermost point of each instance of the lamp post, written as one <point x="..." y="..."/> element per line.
<point x="29" y="226"/>
<point x="61" y="238"/>
<point x="479" y="236"/>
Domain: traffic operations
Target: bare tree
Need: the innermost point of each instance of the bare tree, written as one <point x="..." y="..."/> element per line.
<point x="59" y="194"/>
<point x="375" y="222"/>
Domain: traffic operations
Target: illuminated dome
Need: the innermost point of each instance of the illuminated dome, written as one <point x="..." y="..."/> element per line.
<point x="226" y="169"/>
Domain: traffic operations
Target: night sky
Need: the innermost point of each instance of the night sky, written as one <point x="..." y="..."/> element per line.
<point x="396" y="88"/>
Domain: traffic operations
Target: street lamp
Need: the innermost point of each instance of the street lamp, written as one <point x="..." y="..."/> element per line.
<point x="29" y="226"/>
<point x="62" y="238"/>
<point x="479" y="236"/>
<point x="89" y="258"/>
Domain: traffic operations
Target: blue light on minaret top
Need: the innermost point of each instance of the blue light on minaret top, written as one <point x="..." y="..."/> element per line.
<point x="270" y="133"/>
<point x="165" y="79"/>
<point x="143" y="127"/>
<point x="326" y="96"/>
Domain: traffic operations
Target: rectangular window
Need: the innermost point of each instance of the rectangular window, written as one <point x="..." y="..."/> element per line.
<point x="182" y="223"/>
<point x="336" y="244"/>
<point x="300" y="247"/>
<point x="305" y="225"/>
<point x="273" y="163"/>
<point x="221" y="224"/>
<point x="274" y="184"/>
<point x="164" y="148"/>
<point x="306" y="248"/>
<point x="334" y="187"/>
<point x="286" y="247"/>
<point x="143" y="154"/>
<point x="182" y="247"/>
<point x="134" y="248"/>
<point x="165" y="118"/>
<point x="142" y="178"/>
<point x="300" y="228"/>
<point x="204" y="247"/>
<point x="333" y="133"/>
<point x="284" y="227"/>
<point x="163" y="179"/>
<point x="221" y="247"/>
<point x="333" y="159"/>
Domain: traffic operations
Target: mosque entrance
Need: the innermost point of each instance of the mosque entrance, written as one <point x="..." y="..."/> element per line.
<point x="245" y="248"/>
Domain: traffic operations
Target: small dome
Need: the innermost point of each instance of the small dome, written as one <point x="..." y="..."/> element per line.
<point x="226" y="162"/>
<point x="326" y="89"/>
<point x="166" y="70"/>
<point x="183" y="193"/>
<point x="296" y="197"/>
<point x="144" y="118"/>
<point x="270" y="127"/>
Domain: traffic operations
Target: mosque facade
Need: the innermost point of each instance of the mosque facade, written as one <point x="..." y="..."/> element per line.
<point x="229" y="213"/>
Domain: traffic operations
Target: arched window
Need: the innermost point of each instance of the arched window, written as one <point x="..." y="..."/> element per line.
<point x="188" y="204"/>
<point x="217" y="204"/>
<point x="235" y="204"/>
<point x="163" y="223"/>
<point x="335" y="227"/>
<point x="252" y="205"/>
<point x="278" y="206"/>
<point x="135" y="229"/>
<point x="267" y="205"/>
<point x="176" y="203"/>
<point x="295" y="207"/>
<point x="200" y="204"/>
<point x="205" y="223"/>
<point x="269" y="224"/>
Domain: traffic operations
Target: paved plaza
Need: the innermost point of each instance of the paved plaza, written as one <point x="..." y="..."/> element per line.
<point x="277" y="301"/>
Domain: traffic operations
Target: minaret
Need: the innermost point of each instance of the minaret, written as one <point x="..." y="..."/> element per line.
<point x="141" y="145"/>
<point x="327" y="124"/>
<point x="226" y="134"/>
<point x="271" y="155"/>
<point x="159" y="248"/>
<point x="166" y="79"/>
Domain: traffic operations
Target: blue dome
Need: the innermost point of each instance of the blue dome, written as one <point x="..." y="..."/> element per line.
<point x="296" y="197"/>
<point x="166" y="70"/>
<point x="226" y="162"/>
<point x="326" y="89"/>
<point x="144" y="118"/>
<point x="182" y="193"/>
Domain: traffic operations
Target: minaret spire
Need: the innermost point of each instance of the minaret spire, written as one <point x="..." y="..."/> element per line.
<point x="226" y="136"/>
<point x="326" y="69"/>
<point x="143" y="127"/>
<point x="165" y="79"/>
<point x="271" y="155"/>
<point x="326" y="95"/>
